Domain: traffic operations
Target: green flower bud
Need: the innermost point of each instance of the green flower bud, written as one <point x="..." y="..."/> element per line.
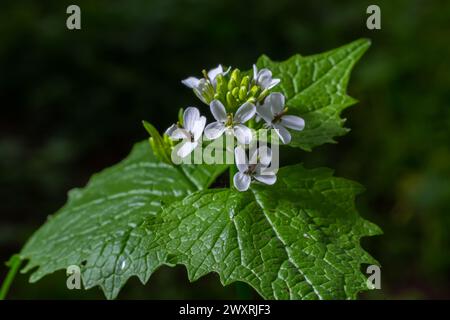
<point x="221" y="85"/>
<point x="235" y="92"/>
<point x="236" y="76"/>
<point x="251" y="100"/>
<point x="245" y="81"/>
<point x="168" y="143"/>
<point x="180" y="116"/>
<point x="231" y="84"/>
<point x="242" y="93"/>
<point x="205" y="74"/>
<point x="231" y="101"/>
<point x="263" y="95"/>
<point x="254" y="91"/>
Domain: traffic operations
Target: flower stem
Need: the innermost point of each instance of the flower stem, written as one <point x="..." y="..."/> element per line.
<point x="14" y="265"/>
<point x="232" y="173"/>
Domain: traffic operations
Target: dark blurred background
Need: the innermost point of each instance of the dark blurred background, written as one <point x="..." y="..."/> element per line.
<point x="72" y="103"/>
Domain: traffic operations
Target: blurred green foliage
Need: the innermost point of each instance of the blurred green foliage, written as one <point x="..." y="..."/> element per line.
<point x="72" y="103"/>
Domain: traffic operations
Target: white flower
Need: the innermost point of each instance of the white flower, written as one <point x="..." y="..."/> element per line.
<point x="213" y="73"/>
<point x="190" y="132"/>
<point x="256" y="168"/>
<point x="229" y="123"/>
<point x="273" y="112"/>
<point x="204" y="87"/>
<point x="195" y="83"/>
<point x="264" y="79"/>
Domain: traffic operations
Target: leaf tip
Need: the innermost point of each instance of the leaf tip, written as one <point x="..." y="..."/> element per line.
<point x="147" y="126"/>
<point x="363" y="44"/>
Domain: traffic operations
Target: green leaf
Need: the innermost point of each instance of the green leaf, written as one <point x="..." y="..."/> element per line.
<point x="160" y="150"/>
<point x="298" y="239"/>
<point x="100" y="227"/>
<point x="315" y="89"/>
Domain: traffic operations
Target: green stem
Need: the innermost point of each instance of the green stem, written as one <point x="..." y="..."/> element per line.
<point x="232" y="171"/>
<point x="14" y="265"/>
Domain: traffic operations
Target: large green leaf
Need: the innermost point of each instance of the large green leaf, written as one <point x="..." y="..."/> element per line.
<point x="315" y="89"/>
<point x="100" y="227"/>
<point x="298" y="239"/>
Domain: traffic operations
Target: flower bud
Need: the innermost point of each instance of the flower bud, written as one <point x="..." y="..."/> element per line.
<point x="168" y="143"/>
<point x="254" y="91"/>
<point x="235" y="92"/>
<point x="231" y="84"/>
<point x="251" y="100"/>
<point x="180" y="116"/>
<point x="231" y="101"/>
<point x="245" y="81"/>
<point x="236" y="76"/>
<point x="221" y="87"/>
<point x="242" y="93"/>
<point x="263" y="95"/>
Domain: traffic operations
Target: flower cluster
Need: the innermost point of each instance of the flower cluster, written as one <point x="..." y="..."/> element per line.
<point x="238" y="102"/>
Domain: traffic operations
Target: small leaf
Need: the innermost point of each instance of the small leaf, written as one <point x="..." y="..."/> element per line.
<point x="315" y="89"/>
<point x="160" y="150"/>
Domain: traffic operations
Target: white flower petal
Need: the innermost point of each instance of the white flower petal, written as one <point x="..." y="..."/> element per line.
<point x="218" y="111"/>
<point x="283" y="133"/>
<point x="273" y="83"/>
<point x="264" y="155"/>
<point x="253" y="158"/>
<point x="176" y="133"/>
<point x="293" y="122"/>
<point x="276" y="102"/>
<point x="242" y="133"/>
<point x="186" y="148"/>
<point x="199" y="95"/>
<point x="190" y="116"/>
<point x="241" y="181"/>
<point x="255" y="72"/>
<point x="266" y="178"/>
<point x="190" y="82"/>
<point x="170" y="130"/>
<point x="245" y="112"/>
<point x="240" y="159"/>
<point x="264" y="77"/>
<point x="265" y="112"/>
<point x="214" y="130"/>
<point x="198" y="128"/>
<point x="213" y="73"/>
